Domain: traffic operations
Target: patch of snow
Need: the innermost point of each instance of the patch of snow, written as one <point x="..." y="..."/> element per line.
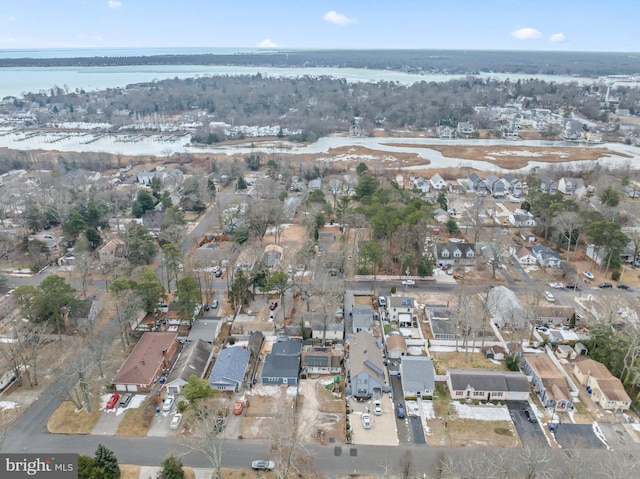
<point x="427" y="410"/>
<point x="635" y="426"/>
<point x="8" y="405"/>
<point x="262" y="390"/>
<point x="482" y="413"/>
<point x="598" y="432"/>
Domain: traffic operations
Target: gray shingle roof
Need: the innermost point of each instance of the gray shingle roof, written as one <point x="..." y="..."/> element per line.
<point x="192" y="360"/>
<point x="230" y="366"/>
<point x="417" y="373"/>
<point x="507" y="381"/>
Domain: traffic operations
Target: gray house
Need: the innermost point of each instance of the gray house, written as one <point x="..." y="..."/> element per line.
<point x="484" y="385"/>
<point x="546" y="256"/>
<point x="495" y="185"/>
<point x="366" y="367"/>
<point x="282" y="364"/>
<point x="417" y="376"/>
<point x="548" y="382"/>
<point x="193" y="360"/>
<point x="477" y="183"/>
<point x="229" y="369"/>
<point x="362" y="318"/>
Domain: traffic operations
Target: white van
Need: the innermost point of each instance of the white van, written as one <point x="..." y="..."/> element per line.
<point x="382" y="301"/>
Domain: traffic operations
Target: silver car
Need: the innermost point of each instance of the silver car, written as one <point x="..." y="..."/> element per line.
<point x="263" y="465"/>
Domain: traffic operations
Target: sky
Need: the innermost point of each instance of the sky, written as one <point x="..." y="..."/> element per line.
<point x="554" y="25"/>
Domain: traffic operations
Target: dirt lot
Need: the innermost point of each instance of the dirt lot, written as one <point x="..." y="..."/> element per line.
<point x="320" y="412"/>
<point x="443" y="361"/>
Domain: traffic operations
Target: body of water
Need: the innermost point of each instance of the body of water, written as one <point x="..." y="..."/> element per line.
<point x="20" y="80"/>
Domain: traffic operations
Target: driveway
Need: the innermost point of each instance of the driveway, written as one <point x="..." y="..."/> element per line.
<point x="578" y="436"/>
<point x="531" y="434"/>
<point x="108" y="423"/>
<point x="160" y="425"/>
<point x="410" y="430"/>
<point x="383" y="431"/>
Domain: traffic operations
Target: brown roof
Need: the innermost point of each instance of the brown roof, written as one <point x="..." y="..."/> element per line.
<point x="592" y="367"/>
<point x="396" y="341"/>
<point x="557" y="389"/>
<point x="610" y="385"/>
<point x="543" y="366"/>
<point x="146" y="359"/>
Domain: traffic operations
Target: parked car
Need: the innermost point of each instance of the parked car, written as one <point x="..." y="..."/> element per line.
<point x="605" y="285"/>
<point x="125" y="400"/>
<point x="556" y="285"/>
<point x="214" y="304"/>
<point x="175" y="420"/>
<point x="218" y="273"/>
<point x="409" y="282"/>
<point x="167" y="404"/>
<point x="239" y="406"/>
<point x="263" y="465"/>
<point x="531" y="417"/>
<point x="377" y="408"/>
<point x="572" y="286"/>
<point x="366" y="420"/>
<point x="112" y="402"/>
<point x="623" y="286"/>
<point x="549" y="297"/>
<point x="382" y="301"/>
<point x="273" y="305"/>
<point x="400" y="410"/>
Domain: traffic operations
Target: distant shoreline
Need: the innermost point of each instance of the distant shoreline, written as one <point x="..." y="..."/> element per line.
<point x="591" y="64"/>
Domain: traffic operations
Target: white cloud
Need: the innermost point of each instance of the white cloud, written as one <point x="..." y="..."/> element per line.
<point x="338" y="18"/>
<point x="267" y="43"/>
<point x="557" y="38"/>
<point x="526" y="34"/>
<point x="114" y="4"/>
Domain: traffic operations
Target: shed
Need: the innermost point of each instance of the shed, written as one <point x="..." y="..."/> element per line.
<point x="580" y="349"/>
<point x="564" y="351"/>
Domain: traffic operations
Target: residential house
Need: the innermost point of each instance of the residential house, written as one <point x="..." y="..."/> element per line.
<point x="437" y="182"/>
<point x="173" y="179"/>
<point x="572" y="187"/>
<point x="599" y="253"/>
<point x="481" y="385"/>
<point x="505" y="308"/>
<point x="441" y="216"/>
<point x="317" y="360"/>
<point x="522" y="218"/>
<point x="417" y="376"/>
<point x="400" y="309"/>
<point x="330" y="330"/>
<point x="556" y="314"/>
<point x="396" y="346"/>
<point x="443" y="322"/>
<point x="366" y="370"/>
<point x="455" y="253"/>
<point x="546" y="256"/>
<point x="446" y="133"/>
<point x="272" y="256"/>
<point x="153" y="219"/>
<point x="528" y="236"/>
<point x="152" y="355"/>
<point x="464" y="128"/>
<point x="205" y="328"/>
<point x="572" y="130"/>
<point x="514" y="185"/>
<point x="145" y="177"/>
<point x="282" y="364"/>
<point x="362" y="318"/>
<point x="524" y="256"/>
<point x="495" y="186"/>
<point x="548" y="382"/>
<point x="194" y="360"/>
<point x="111" y="250"/>
<point x="229" y="369"/>
<point x="606" y="390"/>
<point x="548" y="185"/>
<point x="315" y="184"/>
<point x="477" y="184"/>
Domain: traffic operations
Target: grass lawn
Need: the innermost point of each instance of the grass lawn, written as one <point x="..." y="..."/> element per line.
<point x="66" y="420"/>
<point x="137" y="421"/>
<point x="443" y="361"/>
<point x="129" y="471"/>
<point x="471" y="432"/>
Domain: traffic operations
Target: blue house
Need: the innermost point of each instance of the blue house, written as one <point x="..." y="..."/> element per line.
<point x="282" y="364"/>
<point x="229" y="369"/>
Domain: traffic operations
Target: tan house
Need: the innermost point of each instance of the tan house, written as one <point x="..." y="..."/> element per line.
<point x="548" y="382"/>
<point x="153" y="354"/>
<point x="606" y="389"/>
<point x="396" y="346"/>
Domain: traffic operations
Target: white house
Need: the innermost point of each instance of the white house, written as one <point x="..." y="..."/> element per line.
<point x="524" y="256"/>
<point x="437" y="183"/>
<point x="400" y="309"/>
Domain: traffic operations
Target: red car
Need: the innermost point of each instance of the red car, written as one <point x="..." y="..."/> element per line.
<point x="273" y="305"/>
<point x="113" y="401"/>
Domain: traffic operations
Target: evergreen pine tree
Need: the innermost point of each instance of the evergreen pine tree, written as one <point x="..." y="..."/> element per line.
<point x="108" y="461"/>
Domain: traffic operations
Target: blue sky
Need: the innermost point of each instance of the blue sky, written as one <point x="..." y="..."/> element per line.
<point x="575" y="25"/>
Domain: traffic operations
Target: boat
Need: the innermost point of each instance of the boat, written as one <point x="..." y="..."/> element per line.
<point x="588" y="275"/>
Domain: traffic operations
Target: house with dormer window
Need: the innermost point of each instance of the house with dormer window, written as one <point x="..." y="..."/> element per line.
<point x="495" y="185"/>
<point x="437" y="182"/>
<point x="401" y="310"/>
<point x="547" y="185"/>
<point x="572" y="187"/>
<point x="477" y="184"/>
<point x="513" y="184"/>
<point x="455" y="253"/>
